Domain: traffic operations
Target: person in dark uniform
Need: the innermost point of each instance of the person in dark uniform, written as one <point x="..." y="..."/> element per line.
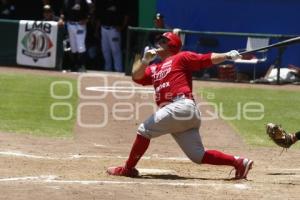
<point x="75" y="14"/>
<point x="113" y="17"/>
<point x="48" y="14"/>
<point x="56" y="6"/>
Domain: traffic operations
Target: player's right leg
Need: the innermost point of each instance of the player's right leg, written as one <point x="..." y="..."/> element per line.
<point x="138" y="149"/>
<point x="156" y="125"/>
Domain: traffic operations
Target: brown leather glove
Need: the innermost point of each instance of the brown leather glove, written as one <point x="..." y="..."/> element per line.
<point x="279" y="136"/>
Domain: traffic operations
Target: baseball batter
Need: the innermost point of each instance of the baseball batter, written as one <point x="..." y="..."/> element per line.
<point x="178" y="114"/>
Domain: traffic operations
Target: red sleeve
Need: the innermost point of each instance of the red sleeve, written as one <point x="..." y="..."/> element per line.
<point x="147" y="78"/>
<point x="194" y="61"/>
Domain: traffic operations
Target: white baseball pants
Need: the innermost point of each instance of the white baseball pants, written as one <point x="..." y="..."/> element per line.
<point x="77" y="34"/>
<point x="182" y="120"/>
<point x="111" y="48"/>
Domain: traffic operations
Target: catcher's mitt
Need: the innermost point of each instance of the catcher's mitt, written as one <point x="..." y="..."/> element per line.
<point x="279" y="136"/>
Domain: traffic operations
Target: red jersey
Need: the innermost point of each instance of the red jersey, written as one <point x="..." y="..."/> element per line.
<point x="173" y="76"/>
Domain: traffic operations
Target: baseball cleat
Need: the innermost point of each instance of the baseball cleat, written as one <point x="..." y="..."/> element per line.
<point x="243" y="167"/>
<point x="122" y="171"/>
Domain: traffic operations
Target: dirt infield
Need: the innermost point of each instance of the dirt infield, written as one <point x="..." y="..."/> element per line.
<point x="43" y="168"/>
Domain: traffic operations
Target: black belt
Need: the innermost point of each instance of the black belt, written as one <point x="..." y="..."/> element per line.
<point x="107" y="27"/>
<point x="73" y="23"/>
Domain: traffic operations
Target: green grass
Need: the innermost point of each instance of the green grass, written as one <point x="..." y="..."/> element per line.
<point x="25" y="103"/>
<point x="282" y="107"/>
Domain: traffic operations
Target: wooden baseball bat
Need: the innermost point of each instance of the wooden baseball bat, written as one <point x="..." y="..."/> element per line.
<point x="284" y="43"/>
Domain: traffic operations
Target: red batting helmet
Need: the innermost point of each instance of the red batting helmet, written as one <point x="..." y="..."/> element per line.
<point x="174" y="42"/>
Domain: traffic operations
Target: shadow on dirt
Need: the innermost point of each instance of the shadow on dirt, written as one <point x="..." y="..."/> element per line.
<point x="176" y="177"/>
<point x="281" y="174"/>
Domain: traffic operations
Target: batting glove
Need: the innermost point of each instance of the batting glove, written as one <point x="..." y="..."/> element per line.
<point x="233" y="55"/>
<point x="149" y="56"/>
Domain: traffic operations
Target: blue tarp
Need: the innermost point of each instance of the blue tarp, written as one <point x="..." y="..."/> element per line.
<point x="247" y="16"/>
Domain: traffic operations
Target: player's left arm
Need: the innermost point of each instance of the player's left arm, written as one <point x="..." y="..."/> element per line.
<point x="195" y="61"/>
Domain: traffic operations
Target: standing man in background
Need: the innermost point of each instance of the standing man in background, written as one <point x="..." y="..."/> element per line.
<point x="56" y="6"/>
<point x="49" y="15"/>
<point x="113" y="19"/>
<point x="75" y="14"/>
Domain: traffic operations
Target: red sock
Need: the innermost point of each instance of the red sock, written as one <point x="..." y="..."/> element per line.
<point x="215" y="157"/>
<point x="137" y="151"/>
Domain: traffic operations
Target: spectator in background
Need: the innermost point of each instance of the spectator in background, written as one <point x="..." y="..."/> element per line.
<point x="76" y="14"/>
<point x="7" y="9"/>
<point x="159" y="23"/>
<point x="56" y="6"/>
<point x="50" y="16"/>
<point x="155" y="36"/>
<point x="94" y="57"/>
<point x="113" y="18"/>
